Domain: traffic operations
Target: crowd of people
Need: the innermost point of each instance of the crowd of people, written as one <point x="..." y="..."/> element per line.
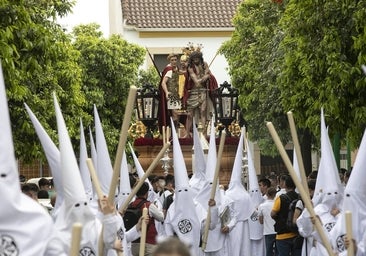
<point x="186" y="215"/>
<point x="275" y="239"/>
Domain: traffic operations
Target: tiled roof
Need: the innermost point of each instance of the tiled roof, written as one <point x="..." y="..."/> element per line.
<point x="183" y="14"/>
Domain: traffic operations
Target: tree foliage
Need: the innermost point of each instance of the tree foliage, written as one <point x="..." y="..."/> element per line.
<point x="321" y="66"/>
<point x="149" y="76"/>
<point x="252" y="54"/>
<point x="300" y="56"/>
<point x="37" y="59"/>
<point x="109" y="68"/>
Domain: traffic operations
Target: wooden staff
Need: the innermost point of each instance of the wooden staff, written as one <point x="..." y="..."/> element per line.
<point x="213" y="189"/>
<point x="304" y="196"/>
<point x="143" y="232"/>
<point x="350" y="249"/>
<point x="98" y="190"/>
<point x="122" y="142"/>
<point x="75" y="239"/>
<point x="217" y="52"/>
<point x="153" y="61"/>
<point x="94" y="178"/>
<point x="295" y="140"/>
<point x="163" y="130"/>
<point x="123" y="207"/>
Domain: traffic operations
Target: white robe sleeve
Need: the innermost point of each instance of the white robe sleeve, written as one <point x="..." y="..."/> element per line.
<point x="233" y="219"/>
<point x="361" y="246"/>
<point x="132" y="234"/>
<point x="304" y="224"/>
<point x="214" y="217"/>
<point x="55" y="246"/>
<point x="156" y="213"/>
<point x="168" y="227"/>
<point x="110" y="228"/>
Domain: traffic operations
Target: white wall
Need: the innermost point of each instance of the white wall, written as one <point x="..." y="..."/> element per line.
<point x="210" y="46"/>
<point x="88" y="11"/>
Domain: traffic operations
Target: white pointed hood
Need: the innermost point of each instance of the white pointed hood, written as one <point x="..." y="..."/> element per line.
<point x="236" y="191"/>
<point x="84" y="171"/>
<point x="256" y="229"/>
<point x="124" y="182"/>
<point x="104" y="166"/>
<point x="236" y="174"/>
<point x="181" y="214"/>
<point x="10" y="184"/>
<point x="355" y="191"/>
<point x="75" y="207"/>
<point x="140" y="172"/>
<point x="180" y="169"/>
<point x="328" y="177"/>
<point x="198" y="178"/>
<point x="353" y="201"/>
<point x="21" y="217"/>
<point x="9" y="176"/>
<point x="333" y="190"/>
<point x="73" y="185"/>
<point x="254" y="191"/>
<point x="205" y="192"/>
<point x="52" y="154"/>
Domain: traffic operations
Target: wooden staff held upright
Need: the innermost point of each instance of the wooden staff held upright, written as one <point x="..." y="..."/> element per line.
<point x="213" y="189"/>
<point x="122" y="142"/>
<point x="75" y="239"/>
<point x="143" y="232"/>
<point x="295" y="140"/>
<point x="304" y="196"/>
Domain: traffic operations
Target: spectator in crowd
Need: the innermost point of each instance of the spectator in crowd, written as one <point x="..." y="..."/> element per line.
<point x="265" y="218"/>
<point x="274" y="181"/>
<point x="313" y="175"/>
<point x="171" y="247"/>
<point x="22" y="179"/>
<point x="31" y="190"/>
<point x="264" y="185"/>
<point x="154" y="213"/>
<point x="42" y="194"/>
<point x="44" y="184"/>
<point x="285" y="238"/>
<point x="281" y="184"/>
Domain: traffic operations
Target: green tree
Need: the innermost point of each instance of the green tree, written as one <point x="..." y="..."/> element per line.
<point x="109" y="68"/>
<point x="149" y="76"/>
<point x="300" y="56"/>
<point x="324" y="47"/>
<point x="252" y="54"/>
<point x="38" y="59"/>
